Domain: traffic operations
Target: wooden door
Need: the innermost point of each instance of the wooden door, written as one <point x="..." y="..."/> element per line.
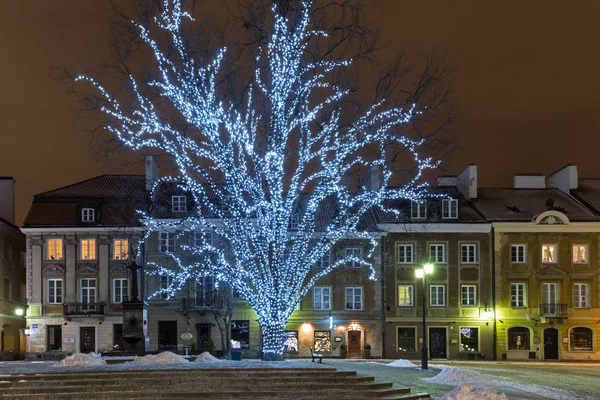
<point x="437" y="342"/>
<point x="354" y="347"/>
<point x="87" y="339"/>
<point x="203" y="337"/>
<point x="550" y="344"/>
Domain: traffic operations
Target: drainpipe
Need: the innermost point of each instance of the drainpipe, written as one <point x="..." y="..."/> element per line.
<point x="382" y="296"/>
<point x="493" y="257"/>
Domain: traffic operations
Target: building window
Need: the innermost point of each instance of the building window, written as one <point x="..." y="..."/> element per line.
<point x="240" y="332"/>
<point x="322" y="341"/>
<point x="354" y="298"/>
<point x="321" y="298"/>
<point x="449" y="209"/>
<point x="120" y="292"/>
<point x="517" y="253"/>
<point x="469" y="339"/>
<point x="205" y="291"/>
<point x="437" y="253"/>
<point x="120" y="249"/>
<point x="55" y="291"/>
<point x="202" y="238"/>
<point x="166" y="282"/>
<point x="87" y="215"/>
<point x="54" y="249"/>
<point x="324" y="261"/>
<point x="405" y="295"/>
<point x="407" y="339"/>
<point x="7" y="252"/>
<point x="468" y="295"/>
<point x="517" y="295"/>
<point x="54" y="337"/>
<point x="468" y="253"/>
<point x="87" y="294"/>
<point x="7" y="288"/>
<point x="166" y="242"/>
<point x="355" y="252"/>
<point x="437" y="295"/>
<point x="87" y="249"/>
<point x="549" y="293"/>
<point x="179" y="203"/>
<point x="418" y="209"/>
<point x="519" y="338"/>
<point x="294" y="221"/>
<point x="549" y="253"/>
<point x="581" y="339"/>
<point x="580" y="254"/>
<point x="405" y="253"/>
<point x="580" y="295"/>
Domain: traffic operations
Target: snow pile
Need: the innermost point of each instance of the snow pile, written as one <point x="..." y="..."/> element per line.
<point x="206" y="356"/>
<point x="470" y="393"/>
<point x="401" y="364"/>
<point x="459" y="376"/>
<point x="166" y="357"/>
<point x="81" y="359"/>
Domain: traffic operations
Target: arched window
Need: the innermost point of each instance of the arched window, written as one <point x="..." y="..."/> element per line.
<point x="519" y="338"/>
<point x="581" y="339"/>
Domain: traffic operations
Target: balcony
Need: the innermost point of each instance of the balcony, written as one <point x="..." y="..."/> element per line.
<point x="553" y="310"/>
<point x="83" y="309"/>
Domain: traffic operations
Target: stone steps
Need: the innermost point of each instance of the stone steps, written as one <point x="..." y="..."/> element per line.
<point x="205" y="383"/>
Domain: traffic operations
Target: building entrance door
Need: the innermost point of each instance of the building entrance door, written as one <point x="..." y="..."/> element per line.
<point x="87" y="339"/>
<point x="354" y="350"/>
<point x="437" y="343"/>
<point x="551" y="344"/>
<point x="203" y="335"/>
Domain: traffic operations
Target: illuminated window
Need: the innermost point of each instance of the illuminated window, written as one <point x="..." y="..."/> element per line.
<point x="240" y="332"/>
<point x="166" y="242"/>
<point x="469" y="339"/>
<point x="580" y="295"/>
<point x="354" y="298"/>
<point x="437" y="253"/>
<point x="437" y="295"/>
<point x="405" y="295"/>
<point x="407" y="339"/>
<point x="517" y="253"/>
<point x="322" y="341"/>
<point x="87" y="214"/>
<point x="519" y="338"/>
<point x="549" y="253"/>
<point x="418" y="209"/>
<point x="55" y="291"/>
<point x="581" y="339"/>
<point x="179" y="203"/>
<point x="405" y="253"/>
<point x="580" y="254"/>
<point x="324" y="261"/>
<point x="468" y="253"/>
<point x="354" y="252"/>
<point x="120" y="249"/>
<point x="449" y="209"/>
<point x="517" y="295"/>
<point x="54" y="249"/>
<point x="468" y="295"/>
<point x="290" y="341"/>
<point x="87" y="249"/>
<point x="321" y="298"/>
<point x="120" y="290"/>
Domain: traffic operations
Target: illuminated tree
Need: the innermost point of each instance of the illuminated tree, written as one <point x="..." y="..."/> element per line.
<point x="279" y="174"/>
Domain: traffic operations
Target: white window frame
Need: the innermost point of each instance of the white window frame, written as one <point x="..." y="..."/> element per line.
<point x="469" y="290"/>
<point x="88" y="215"/>
<point x="166" y="242"/>
<point x="418" y="209"/>
<point x="352" y="251"/>
<point x="518" y="259"/>
<point x="581" y="300"/>
<point x="120" y="291"/>
<point x="355" y="296"/>
<point x="123" y="244"/>
<point x="437" y="297"/>
<point x="405" y="260"/>
<point x="554" y="253"/>
<point x="91" y="243"/>
<point x="409" y="293"/>
<point x="323" y="295"/>
<point x="56" y="241"/>
<point x="451" y="206"/>
<point x="89" y="290"/>
<point x="519" y="299"/>
<point x="54" y="298"/>
<point x="178" y="203"/>
<point x="165" y="281"/>
<point x="576" y="252"/>
<point x="546" y="299"/>
<point x="471" y="247"/>
<point x="434" y="256"/>
<point x="324" y="261"/>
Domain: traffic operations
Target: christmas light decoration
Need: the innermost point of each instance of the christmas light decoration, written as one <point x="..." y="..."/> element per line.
<point x="268" y="175"/>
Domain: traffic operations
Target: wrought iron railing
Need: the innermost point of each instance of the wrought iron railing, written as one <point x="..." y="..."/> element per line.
<point x="83" y="309"/>
<point x="553" y="310"/>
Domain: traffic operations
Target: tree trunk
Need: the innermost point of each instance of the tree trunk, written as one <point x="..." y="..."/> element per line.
<point x="272" y="341"/>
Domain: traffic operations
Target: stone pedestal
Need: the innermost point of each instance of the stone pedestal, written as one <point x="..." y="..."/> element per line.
<point x="135" y="327"/>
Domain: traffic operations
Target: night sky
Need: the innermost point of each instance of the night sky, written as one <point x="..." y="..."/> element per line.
<point x="526" y="77"/>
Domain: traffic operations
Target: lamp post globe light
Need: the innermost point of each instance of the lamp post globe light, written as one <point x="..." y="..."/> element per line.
<point x="422" y="273"/>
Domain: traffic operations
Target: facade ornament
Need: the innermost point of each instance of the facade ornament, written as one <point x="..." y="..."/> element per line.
<point x="54" y="270"/>
<point x="87" y="268"/>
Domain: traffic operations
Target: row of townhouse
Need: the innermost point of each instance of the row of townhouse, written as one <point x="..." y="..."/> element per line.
<point x="515" y="274"/>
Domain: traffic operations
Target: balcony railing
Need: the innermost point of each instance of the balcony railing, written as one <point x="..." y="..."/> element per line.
<point x="83" y="309"/>
<point x="553" y="310"/>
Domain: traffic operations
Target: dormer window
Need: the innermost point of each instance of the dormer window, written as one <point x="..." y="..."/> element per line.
<point x="87" y="215"/>
<point x="418" y="209"/>
<point x="179" y="203"/>
<point x="449" y="209"/>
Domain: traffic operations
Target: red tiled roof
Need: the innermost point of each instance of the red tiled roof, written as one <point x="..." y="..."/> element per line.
<point x="52" y="214"/>
<point x="103" y="186"/>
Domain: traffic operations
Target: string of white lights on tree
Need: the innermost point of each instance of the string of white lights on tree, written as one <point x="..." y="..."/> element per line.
<point x="283" y="155"/>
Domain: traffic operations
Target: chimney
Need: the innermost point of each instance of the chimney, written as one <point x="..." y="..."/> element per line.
<point x="446" y="181"/>
<point x="152" y="172"/>
<point x="7" y="199"/>
<point x="564" y="179"/>
<point x="529" y="181"/>
<point x="466" y="182"/>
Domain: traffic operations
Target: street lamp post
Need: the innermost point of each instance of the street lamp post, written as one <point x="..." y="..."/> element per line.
<point x="422" y="273"/>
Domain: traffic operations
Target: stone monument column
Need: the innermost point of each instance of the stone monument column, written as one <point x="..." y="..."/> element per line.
<point x="135" y="318"/>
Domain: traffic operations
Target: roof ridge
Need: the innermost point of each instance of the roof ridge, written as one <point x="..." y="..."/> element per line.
<point x="83" y="181"/>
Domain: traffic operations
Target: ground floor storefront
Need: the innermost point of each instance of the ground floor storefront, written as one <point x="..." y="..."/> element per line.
<point x="12" y="339"/>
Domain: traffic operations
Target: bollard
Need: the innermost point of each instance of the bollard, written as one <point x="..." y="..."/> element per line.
<point x="10" y="355"/>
